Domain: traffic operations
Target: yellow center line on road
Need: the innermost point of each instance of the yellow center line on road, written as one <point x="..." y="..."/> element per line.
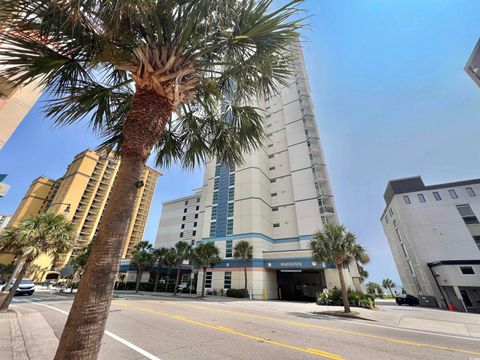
<point x="325" y="328"/>
<point x="234" y="332"/>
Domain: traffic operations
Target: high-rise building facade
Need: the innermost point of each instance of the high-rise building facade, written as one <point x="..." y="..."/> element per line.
<point x="81" y="195"/>
<point x="4" y="221"/>
<point x="434" y="234"/>
<point x="179" y="221"/>
<point x="276" y="200"/>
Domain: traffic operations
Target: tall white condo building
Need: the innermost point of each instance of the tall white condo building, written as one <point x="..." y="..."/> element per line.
<point x="276" y="200"/>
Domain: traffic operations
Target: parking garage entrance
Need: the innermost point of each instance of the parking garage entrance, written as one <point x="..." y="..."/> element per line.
<point x="300" y="285"/>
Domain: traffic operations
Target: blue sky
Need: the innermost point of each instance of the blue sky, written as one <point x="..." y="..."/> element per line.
<point x="391" y="99"/>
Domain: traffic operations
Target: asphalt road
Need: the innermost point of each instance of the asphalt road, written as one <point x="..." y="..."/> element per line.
<point x="142" y="327"/>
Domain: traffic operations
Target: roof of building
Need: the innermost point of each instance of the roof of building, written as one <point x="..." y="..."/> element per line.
<point x="415" y="183"/>
<point x="472" y="68"/>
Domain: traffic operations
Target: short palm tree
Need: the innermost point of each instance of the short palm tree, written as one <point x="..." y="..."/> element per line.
<point x="158" y="256"/>
<point x="170" y="262"/>
<point x="338" y="246"/>
<point x="142" y="259"/>
<point x="205" y="255"/>
<point x="45" y="233"/>
<point x="243" y="250"/>
<point x="388" y="284"/>
<point x="148" y="76"/>
<point x="182" y="250"/>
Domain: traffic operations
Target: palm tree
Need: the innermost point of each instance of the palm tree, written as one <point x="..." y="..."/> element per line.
<point x="79" y="262"/>
<point x="142" y="260"/>
<point x="205" y="255"/>
<point x="127" y="67"/>
<point x="158" y="255"/>
<point x="363" y="273"/>
<point x="374" y="288"/>
<point x="388" y="284"/>
<point x="45" y="233"/>
<point x="170" y="261"/>
<point x="34" y="269"/>
<point x="336" y="245"/>
<point x="361" y="258"/>
<point x="243" y="250"/>
<point x="182" y="250"/>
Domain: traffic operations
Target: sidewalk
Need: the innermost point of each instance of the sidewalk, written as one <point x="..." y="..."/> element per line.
<point x="26" y="336"/>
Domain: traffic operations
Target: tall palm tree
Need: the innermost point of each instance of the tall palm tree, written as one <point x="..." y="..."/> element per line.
<point x="336" y="245"/>
<point x="205" y="255"/>
<point x="158" y="256"/>
<point x="170" y="261"/>
<point x="142" y="259"/>
<point x="388" y="284"/>
<point x="148" y="76"/>
<point x="243" y="250"/>
<point x="45" y="233"/>
<point x="182" y="250"/>
<point x="361" y="258"/>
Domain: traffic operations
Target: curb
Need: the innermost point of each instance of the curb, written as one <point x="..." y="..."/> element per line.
<point x="19" y="350"/>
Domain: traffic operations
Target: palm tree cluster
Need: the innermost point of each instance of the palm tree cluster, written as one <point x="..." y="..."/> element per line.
<point x="148" y="76"/>
<point x="338" y="246"/>
<point x="45" y="233"/>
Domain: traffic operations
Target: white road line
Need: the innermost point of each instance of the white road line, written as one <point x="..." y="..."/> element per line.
<point x="113" y="336"/>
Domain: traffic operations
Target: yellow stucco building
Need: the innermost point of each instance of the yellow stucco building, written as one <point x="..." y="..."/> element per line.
<point x="81" y="195"/>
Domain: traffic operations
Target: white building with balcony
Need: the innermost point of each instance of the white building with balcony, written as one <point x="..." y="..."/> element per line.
<point x="434" y="234"/>
<point x="276" y="200"/>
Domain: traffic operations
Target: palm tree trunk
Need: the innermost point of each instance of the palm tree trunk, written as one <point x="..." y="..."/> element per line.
<point x="83" y="332"/>
<point x="203" y="281"/>
<point x="245" y="276"/>
<point x="391" y="292"/>
<point x="139" y="274"/>
<point x="157" y="274"/>
<point x="346" y="304"/>
<point x="15" y="272"/>
<point x="179" y="270"/>
<point x="11" y="292"/>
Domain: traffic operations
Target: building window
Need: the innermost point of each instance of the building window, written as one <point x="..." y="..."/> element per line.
<point x="181" y="234"/>
<point x="467" y="214"/>
<point x="230" y="209"/>
<point x="232" y="180"/>
<point x="195" y="224"/>
<point x="466" y="298"/>
<point x="198" y="200"/>
<point x="274" y="194"/>
<point x="227" y="280"/>
<point x="453" y="194"/>
<point x="421" y="198"/>
<point x="208" y="279"/>
<point x="186" y="202"/>
<point x="183" y="226"/>
<point x="229" y="226"/>
<point x="470" y="192"/>
<point x="197" y="208"/>
<point x="390" y="211"/>
<point x="467" y="270"/>
<point x="276" y="225"/>
<point x="273" y="181"/>
<point x="231" y="193"/>
<point x="185" y="210"/>
<point x="216" y="183"/>
<point x="407" y="200"/>
<point x="215" y="197"/>
<point x="271" y="156"/>
<point x="476" y="238"/>
<point x="184" y="218"/>
<point x="217" y="169"/>
<point x="196" y="216"/>
<point x="386" y="219"/>
<point x="229" y="248"/>
<point x="275" y="208"/>
<point x="270" y="145"/>
<point x="214" y="212"/>
<point x="437" y="196"/>
<point x="212" y="228"/>
<point x="271" y="168"/>
<point x="194" y="232"/>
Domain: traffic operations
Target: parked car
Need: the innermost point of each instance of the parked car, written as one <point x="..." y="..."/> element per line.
<point x="26" y="287"/>
<point x="406" y="299"/>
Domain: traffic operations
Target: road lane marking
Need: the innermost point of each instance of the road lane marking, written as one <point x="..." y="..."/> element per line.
<point x="234" y="332"/>
<point x="113" y="336"/>
<point x="325" y="328"/>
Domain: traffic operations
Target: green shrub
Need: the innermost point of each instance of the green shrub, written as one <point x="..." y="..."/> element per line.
<point x="236" y="293"/>
<point x="355" y="298"/>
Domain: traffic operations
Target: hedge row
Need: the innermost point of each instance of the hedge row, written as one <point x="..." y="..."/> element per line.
<point x="355" y="298"/>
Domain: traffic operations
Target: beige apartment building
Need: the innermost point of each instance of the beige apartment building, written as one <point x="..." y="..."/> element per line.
<point x="81" y="195"/>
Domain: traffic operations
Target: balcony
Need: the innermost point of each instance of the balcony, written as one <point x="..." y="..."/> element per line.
<point x="325" y="209"/>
